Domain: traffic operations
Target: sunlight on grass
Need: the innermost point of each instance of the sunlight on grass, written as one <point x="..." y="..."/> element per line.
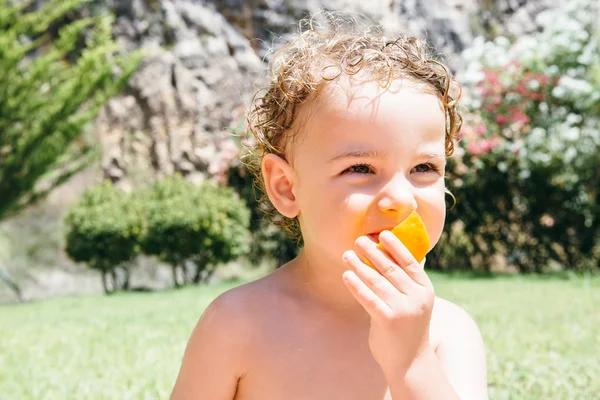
<point x="541" y="336"/>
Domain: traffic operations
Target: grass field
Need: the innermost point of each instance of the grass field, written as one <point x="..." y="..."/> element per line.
<point x="542" y="335"/>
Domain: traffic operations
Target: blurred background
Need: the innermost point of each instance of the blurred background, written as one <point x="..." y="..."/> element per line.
<point x="121" y="130"/>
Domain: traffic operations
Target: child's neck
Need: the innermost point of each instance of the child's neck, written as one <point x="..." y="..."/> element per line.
<point x="320" y="280"/>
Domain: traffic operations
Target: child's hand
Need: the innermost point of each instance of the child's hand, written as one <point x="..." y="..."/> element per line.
<point x="399" y="300"/>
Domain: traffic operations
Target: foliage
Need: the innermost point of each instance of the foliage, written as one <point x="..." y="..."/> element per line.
<point x="205" y="224"/>
<point x="173" y="219"/>
<point x="527" y="174"/>
<point x="104" y="228"/>
<point x="51" y="87"/>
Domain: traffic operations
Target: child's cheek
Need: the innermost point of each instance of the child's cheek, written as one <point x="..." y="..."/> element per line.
<point x="353" y="212"/>
<point x="435" y="228"/>
<point x="356" y="212"/>
<point x="358" y="203"/>
<point x="432" y="210"/>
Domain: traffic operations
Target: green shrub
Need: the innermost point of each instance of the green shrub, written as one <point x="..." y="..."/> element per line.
<point x="103" y="232"/>
<point x="206" y="225"/>
<point x="527" y="172"/>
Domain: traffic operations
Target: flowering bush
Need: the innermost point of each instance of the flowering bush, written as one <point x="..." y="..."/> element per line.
<point x="527" y="171"/>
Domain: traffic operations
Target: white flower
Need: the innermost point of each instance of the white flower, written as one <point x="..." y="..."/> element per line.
<point x="576" y="86"/>
<point x="536" y="137"/>
<point x="552" y="70"/>
<point x="558" y="92"/>
<point x="502" y="41"/>
<point x="570" y="155"/>
<point x="571" y="133"/>
<point x="533" y="84"/>
<point x="574" y="119"/>
<point x="524" y="174"/>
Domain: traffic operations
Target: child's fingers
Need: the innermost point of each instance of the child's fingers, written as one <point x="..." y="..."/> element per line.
<point x="404" y="258"/>
<point x="389" y="268"/>
<point x="365" y="296"/>
<point x="376" y="282"/>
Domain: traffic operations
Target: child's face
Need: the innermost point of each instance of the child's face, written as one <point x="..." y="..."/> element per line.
<point x="365" y="158"/>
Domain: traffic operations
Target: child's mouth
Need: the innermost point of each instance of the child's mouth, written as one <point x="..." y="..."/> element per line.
<point x="374" y="236"/>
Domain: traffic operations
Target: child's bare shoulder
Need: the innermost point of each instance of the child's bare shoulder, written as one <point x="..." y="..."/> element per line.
<point x="243" y="308"/>
<point x="450" y="322"/>
<point x="260" y="295"/>
<point x="221" y="347"/>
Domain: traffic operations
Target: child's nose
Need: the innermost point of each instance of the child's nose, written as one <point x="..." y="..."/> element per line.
<point x="397" y="196"/>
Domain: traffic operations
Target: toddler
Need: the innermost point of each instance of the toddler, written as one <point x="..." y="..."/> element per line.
<point x="352" y="136"/>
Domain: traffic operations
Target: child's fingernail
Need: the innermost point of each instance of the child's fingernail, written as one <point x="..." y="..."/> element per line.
<point x="386" y="235"/>
<point x="346" y="255"/>
<point x="363" y="241"/>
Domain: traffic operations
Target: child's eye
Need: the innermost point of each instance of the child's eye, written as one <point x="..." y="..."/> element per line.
<point x="361" y="169"/>
<point x="424" y="168"/>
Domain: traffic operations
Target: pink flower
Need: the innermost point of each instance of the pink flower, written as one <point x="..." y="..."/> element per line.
<point x="474" y="148"/>
<point x="518" y="116"/>
<point x="489" y="107"/>
<point x="521" y="118"/>
<point x="480" y="130"/>
<point x="488" y="145"/>
<point x="501" y="119"/>
<point x="542" y="79"/>
<point x="491" y="76"/>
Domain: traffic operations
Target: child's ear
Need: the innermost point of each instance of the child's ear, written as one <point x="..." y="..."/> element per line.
<point x="279" y="184"/>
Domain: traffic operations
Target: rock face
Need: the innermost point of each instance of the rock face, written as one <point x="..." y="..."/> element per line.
<point x="205" y="60"/>
<point x="192" y="84"/>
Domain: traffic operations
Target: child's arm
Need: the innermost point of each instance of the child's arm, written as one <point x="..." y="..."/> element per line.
<point x="212" y="362"/>
<point x="457" y="368"/>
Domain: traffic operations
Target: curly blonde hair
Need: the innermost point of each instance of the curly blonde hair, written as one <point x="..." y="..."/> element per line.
<point x="318" y="55"/>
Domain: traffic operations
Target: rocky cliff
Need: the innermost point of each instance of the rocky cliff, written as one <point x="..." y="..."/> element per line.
<point x="206" y="58"/>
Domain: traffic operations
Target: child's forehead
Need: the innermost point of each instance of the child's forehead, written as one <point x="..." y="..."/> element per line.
<point x="352" y="111"/>
<point x="360" y="92"/>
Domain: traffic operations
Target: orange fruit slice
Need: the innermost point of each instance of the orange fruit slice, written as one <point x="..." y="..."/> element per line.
<point x="413" y="234"/>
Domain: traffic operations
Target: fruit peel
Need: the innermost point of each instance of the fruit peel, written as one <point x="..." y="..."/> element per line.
<point x="413" y="234"/>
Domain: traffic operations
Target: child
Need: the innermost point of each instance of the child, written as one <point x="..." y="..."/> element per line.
<point x="352" y="136"/>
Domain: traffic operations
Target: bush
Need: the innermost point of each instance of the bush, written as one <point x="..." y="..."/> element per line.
<point x="527" y="172"/>
<point x="103" y="231"/>
<point x="172" y="219"/>
<point x="205" y="225"/>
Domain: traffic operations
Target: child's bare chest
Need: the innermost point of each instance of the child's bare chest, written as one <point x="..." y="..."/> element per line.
<point x="319" y="360"/>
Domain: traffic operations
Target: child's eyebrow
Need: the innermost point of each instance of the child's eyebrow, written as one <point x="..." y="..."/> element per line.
<point x="431" y="155"/>
<point x="360" y="154"/>
<point x="381" y="154"/>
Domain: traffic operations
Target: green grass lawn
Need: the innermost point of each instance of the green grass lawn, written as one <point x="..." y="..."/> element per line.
<point x="542" y="335"/>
